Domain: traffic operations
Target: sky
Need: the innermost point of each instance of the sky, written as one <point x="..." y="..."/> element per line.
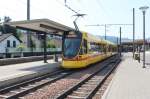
<point x="98" y="12"/>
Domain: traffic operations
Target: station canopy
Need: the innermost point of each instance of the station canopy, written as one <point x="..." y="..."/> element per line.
<point x="137" y="42"/>
<point x="41" y="25"/>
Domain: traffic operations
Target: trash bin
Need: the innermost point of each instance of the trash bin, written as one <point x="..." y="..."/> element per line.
<point x="55" y="58"/>
<point x="137" y="56"/>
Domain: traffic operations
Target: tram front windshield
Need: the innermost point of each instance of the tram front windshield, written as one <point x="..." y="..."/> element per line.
<point x="71" y="46"/>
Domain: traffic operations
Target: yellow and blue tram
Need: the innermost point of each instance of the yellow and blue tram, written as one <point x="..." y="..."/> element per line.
<point x="82" y="49"/>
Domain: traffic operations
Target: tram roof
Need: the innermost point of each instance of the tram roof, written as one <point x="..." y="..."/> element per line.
<point x="111" y="43"/>
<point x="108" y="42"/>
<point x="99" y="40"/>
<point x="41" y="25"/>
<point x="92" y="38"/>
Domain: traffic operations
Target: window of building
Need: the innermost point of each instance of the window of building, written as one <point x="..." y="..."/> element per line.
<point x="8" y="43"/>
<point x="14" y="43"/>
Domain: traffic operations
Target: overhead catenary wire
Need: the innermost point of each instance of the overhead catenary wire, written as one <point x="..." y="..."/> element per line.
<point x="9" y="9"/>
<point x="147" y="2"/>
<point x="102" y="7"/>
<point x="67" y="6"/>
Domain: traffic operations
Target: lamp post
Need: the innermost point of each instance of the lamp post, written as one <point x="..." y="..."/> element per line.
<point x="143" y="9"/>
<point x="120" y="47"/>
<point x="133" y="32"/>
<point x="105" y="31"/>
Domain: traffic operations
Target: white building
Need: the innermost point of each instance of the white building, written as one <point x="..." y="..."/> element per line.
<point x="8" y="41"/>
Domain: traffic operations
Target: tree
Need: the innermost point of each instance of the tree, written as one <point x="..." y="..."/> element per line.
<point x="50" y="45"/>
<point x="19" y="33"/>
<point x="7" y="19"/>
<point x="21" y="47"/>
<point x="7" y="28"/>
<point x="33" y="45"/>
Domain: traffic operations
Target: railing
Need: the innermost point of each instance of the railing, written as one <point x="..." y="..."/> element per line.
<point x="16" y="50"/>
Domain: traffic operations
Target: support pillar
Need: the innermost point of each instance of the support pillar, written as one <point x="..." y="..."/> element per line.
<point x="45" y="48"/>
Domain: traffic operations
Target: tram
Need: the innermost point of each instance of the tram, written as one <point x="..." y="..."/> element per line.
<point x="81" y="49"/>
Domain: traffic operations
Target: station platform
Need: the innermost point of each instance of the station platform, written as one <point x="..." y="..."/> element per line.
<point x="130" y="81"/>
<point x="18" y="72"/>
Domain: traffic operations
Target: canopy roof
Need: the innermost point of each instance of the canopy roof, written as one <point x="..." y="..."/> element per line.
<point x="41" y="25"/>
<point x="138" y="42"/>
<point x="49" y="26"/>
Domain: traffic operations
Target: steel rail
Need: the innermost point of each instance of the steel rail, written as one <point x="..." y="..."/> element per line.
<point x="93" y="92"/>
<point x="23" y="86"/>
<point x="78" y="85"/>
<point x="3" y="90"/>
<point x="32" y="84"/>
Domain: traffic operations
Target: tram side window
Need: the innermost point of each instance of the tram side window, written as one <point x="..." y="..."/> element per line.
<point x="85" y="46"/>
<point x="94" y="47"/>
<point x="104" y="49"/>
<point x="100" y="48"/>
<point x="83" y="49"/>
<point x="108" y="48"/>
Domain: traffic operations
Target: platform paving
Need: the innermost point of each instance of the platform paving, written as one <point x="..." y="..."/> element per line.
<point x="13" y="73"/>
<point x="130" y="81"/>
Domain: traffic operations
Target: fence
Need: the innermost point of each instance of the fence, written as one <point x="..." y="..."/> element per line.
<point x="27" y="52"/>
<point x="18" y="50"/>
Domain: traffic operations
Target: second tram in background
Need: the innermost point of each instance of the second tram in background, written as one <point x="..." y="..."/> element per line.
<point x="83" y="49"/>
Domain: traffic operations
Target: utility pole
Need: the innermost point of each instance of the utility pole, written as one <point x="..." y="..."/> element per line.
<point x="45" y="49"/>
<point x="144" y="8"/>
<point x="28" y="9"/>
<point x="28" y="32"/>
<point x="117" y="46"/>
<point x="105" y="31"/>
<point x="120" y="43"/>
<point x="143" y="39"/>
<point x="133" y="32"/>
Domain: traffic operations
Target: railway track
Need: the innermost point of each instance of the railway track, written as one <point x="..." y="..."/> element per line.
<point x="88" y="87"/>
<point x="18" y="90"/>
<point x="30" y="86"/>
